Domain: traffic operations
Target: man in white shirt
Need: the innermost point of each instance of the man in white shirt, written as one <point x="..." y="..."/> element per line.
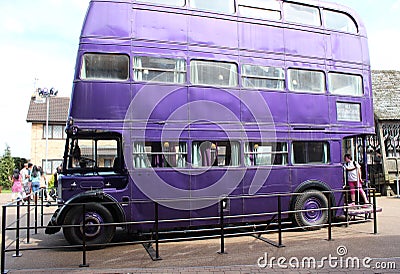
<point x="25" y="178"/>
<point x="353" y="170"/>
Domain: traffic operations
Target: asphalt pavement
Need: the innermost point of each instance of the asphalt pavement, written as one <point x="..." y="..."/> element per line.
<point x="353" y="249"/>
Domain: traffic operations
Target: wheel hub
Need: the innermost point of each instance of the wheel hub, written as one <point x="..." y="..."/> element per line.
<point x="314" y="207"/>
<point x="93" y="223"/>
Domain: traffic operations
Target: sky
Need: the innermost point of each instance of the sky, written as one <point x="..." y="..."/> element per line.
<point x="39" y="40"/>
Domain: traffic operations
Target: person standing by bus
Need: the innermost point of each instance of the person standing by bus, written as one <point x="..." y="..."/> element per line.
<point x="353" y="171"/>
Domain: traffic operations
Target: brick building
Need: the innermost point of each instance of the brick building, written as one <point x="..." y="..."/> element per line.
<point x="58" y="113"/>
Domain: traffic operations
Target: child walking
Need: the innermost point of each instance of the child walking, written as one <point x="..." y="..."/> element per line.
<point x="17" y="189"/>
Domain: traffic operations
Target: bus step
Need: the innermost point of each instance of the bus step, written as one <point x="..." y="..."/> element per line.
<point x="359" y="210"/>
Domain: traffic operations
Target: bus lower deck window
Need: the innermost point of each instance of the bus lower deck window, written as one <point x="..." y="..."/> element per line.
<point x="159" y="154"/>
<point x="310" y="152"/>
<point x="215" y="153"/>
<point x="265" y="154"/>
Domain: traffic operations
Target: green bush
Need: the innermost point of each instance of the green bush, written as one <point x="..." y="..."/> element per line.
<point x="6" y="168"/>
<point x="51" y="182"/>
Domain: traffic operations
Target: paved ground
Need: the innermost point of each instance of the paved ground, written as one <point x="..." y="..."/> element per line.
<point x="350" y="245"/>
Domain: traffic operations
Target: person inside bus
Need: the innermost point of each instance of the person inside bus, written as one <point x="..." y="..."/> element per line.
<point x="156" y="156"/>
<point x="353" y="171"/>
<point x="76" y="155"/>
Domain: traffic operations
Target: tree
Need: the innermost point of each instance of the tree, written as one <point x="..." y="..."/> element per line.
<point x="6" y="168"/>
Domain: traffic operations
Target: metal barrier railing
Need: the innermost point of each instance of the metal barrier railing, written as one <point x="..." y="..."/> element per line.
<point x="221" y="229"/>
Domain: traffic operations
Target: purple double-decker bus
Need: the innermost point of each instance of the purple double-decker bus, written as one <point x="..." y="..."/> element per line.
<point x="190" y="102"/>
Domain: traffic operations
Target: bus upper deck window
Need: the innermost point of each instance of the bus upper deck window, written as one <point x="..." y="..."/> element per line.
<point x="178" y="3"/>
<point x="213" y="73"/>
<point x="345" y="84"/>
<point x="224" y="6"/>
<point x="97" y="66"/>
<point x="339" y="21"/>
<point x="262" y="9"/>
<point x="309" y="81"/>
<point x="157" y="69"/>
<point x="301" y="14"/>
<point x="262" y="77"/>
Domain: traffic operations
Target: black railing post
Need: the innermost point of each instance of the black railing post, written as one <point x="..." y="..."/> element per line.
<point x="28" y="220"/>
<point x="36" y="212"/>
<point x="156" y="228"/>
<point x="369" y="190"/>
<point x="346" y="210"/>
<point x="280" y="221"/>
<point x="368" y="214"/>
<point x="41" y="207"/>
<point x="374" y="212"/>
<point x="221" y="224"/>
<point x="17" y="254"/>
<point x="329" y="217"/>
<point x="3" y="239"/>
<point x="84" y="264"/>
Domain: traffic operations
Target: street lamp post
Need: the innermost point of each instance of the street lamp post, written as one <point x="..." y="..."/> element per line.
<point x="46" y="94"/>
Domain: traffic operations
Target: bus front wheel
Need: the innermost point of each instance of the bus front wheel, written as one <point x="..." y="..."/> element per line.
<point x="310" y="212"/>
<point x="96" y="215"/>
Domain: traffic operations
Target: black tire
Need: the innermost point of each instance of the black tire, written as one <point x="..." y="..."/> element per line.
<point x="312" y="200"/>
<point x="94" y="214"/>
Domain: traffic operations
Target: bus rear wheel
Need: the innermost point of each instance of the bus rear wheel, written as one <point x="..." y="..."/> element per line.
<point x="96" y="215"/>
<point x="313" y="201"/>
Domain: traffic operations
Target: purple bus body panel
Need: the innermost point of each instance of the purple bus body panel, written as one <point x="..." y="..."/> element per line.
<point x="213" y="32"/>
<point x="365" y="52"/>
<point x="174" y="179"/>
<point x="297" y="43"/>
<point x="161" y="26"/>
<point x="209" y="179"/>
<point x="225" y="104"/>
<point x="163" y="101"/>
<point x="104" y="21"/>
<point x="278" y="182"/>
<point x="320" y="173"/>
<point x="341" y="50"/>
<point x="276" y="102"/>
<point x="103" y="101"/>
<point x="303" y="111"/>
<point x="261" y="38"/>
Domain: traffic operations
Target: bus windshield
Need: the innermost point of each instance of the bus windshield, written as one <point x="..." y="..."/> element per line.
<point x="92" y="154"/>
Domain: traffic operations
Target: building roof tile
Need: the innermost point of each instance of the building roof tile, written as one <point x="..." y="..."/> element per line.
<point x="386" y="90"/>
<point x="58" y="110"/>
